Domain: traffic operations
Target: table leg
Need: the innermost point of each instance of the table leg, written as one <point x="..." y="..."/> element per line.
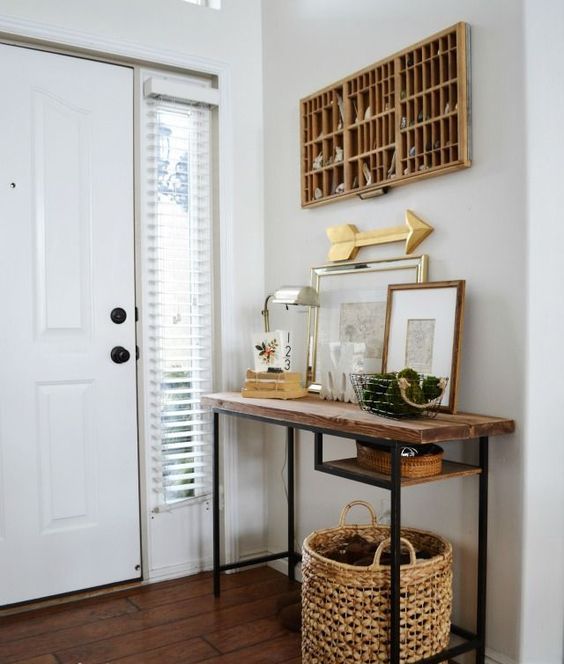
<point x="395" y="555"/>
<point x="482" y="550"/>
<point x="290" y="472"/>
<point x="318" y="450"/>
<point x="216" y="524"/>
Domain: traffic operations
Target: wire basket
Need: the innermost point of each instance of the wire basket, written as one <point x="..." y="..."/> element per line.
<point x="398" y="395"/>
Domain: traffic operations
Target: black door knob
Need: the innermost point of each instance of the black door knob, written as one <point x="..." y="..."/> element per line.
<point x="120" y="354"/>
<point x="118" y="315"/>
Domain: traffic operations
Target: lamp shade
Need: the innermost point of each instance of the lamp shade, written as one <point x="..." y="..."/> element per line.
<point x="299" y="295"/>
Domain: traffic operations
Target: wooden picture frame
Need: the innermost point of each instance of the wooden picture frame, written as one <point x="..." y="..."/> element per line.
<point x="354" y="283"/>
<point x="424" y="331"/>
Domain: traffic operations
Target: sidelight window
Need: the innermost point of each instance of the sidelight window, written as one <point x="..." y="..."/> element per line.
<point x="177" y="298"/>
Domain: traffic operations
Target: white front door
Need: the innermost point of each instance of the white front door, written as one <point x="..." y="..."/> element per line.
<point x="69" y="500"/>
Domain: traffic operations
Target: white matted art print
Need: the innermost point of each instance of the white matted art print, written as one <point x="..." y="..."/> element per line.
<point x="419" y="344"/>
<point x="424" y="331"/>
<point x="352" y="299"/>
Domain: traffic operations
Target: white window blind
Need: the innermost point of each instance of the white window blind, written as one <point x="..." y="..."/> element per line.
<point x="178" y="301"/>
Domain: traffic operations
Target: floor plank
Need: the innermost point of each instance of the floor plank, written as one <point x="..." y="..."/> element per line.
<point x="101" y="651"/>
<point x="175" y="622"/>
<point x="245" y="635"/>
<point x="155" y="595"/>
<point x="184" y="652"/>
<point x="277" y="650"/>
<point x="42" y="659"/>
<point x="49" y="620"/>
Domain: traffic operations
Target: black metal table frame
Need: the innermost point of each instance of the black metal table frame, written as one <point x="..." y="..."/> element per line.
<point x="472" y="641"/>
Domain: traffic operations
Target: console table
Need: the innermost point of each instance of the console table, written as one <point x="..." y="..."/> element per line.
<point x="348" y="421"/>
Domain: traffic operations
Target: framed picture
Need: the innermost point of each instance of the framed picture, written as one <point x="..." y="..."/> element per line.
<point x="352" y="298"/>
<point x="424" y="331"/>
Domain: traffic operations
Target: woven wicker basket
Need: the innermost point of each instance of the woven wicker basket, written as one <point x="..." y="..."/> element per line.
<point x="413" y="467"/>
<point x="346" y="609"/>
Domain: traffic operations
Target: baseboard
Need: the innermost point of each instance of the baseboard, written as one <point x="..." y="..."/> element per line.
<point x="279" y="565"/>
<point x="194" y="567"/>
<point x="177" y="571"/>
<point x="493" y="657"/>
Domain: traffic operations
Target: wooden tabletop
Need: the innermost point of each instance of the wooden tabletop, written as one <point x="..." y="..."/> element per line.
<point x="348" y="418"/>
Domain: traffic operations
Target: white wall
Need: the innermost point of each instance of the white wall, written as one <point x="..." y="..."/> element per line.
<point x="543" y="571"/>
<point x="481" y="234"/>
<point x="231" y="37"/>
<point x="479" y="216"/>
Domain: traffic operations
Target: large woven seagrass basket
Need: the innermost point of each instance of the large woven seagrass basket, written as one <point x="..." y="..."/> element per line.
<point x="346" y="608"/>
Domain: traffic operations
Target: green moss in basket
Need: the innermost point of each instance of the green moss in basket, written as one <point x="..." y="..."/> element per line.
<point x="409" y="374"/>
<point x="431" y="388"/>
<point x="374" y="390"/>
<point x="396" y="406"/>
<point x="414" y="392"/>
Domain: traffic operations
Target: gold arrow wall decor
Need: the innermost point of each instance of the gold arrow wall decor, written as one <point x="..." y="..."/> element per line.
<point x="346" y="239"/>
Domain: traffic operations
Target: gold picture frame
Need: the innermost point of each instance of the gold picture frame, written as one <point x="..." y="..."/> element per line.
<point x="350" y="284"/>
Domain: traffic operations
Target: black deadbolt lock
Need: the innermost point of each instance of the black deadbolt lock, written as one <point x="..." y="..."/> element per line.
<point x="120" y="354"/>
<point x="118" y="315"/>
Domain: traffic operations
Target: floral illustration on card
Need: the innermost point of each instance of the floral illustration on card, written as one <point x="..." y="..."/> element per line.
<point x="267" y="350"/>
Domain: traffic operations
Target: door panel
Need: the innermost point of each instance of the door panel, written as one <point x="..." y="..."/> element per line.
<point x="69" y="500"/>
<point x="61" y="158"/>
<point x="67" y="460"/>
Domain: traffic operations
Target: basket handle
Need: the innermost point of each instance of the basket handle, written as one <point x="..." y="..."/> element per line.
<point x="403" y="385"/>
<point x="386" y="543"/>
<point x="347" y="508"/>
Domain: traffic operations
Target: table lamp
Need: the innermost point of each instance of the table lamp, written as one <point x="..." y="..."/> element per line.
<point x="304" y="296"/>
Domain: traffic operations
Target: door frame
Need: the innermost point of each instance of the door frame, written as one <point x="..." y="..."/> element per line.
<point x="54" y="39"/>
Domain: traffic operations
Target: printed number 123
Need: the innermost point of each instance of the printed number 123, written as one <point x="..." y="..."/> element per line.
<point x="287" y="354"/>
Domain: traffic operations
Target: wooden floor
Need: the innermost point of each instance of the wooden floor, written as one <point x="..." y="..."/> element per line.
<point x="175" y="622"/>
